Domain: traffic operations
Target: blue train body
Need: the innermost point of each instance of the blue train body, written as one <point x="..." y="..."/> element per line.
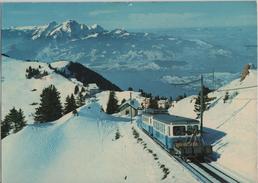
<point x="175" y="134"/>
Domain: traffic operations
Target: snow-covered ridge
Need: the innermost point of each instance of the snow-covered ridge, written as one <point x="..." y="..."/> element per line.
<point x="23" y="93"/>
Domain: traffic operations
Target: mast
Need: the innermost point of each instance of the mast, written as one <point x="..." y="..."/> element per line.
<point x="202" y="101"/>
<point x="131" y="107"/>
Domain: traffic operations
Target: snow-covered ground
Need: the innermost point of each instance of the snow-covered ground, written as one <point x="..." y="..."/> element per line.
<point x="230" y="126"/>
<point x="76" y="148"/>
<point x="19" y="92"/>
<point x="83" y="149"/>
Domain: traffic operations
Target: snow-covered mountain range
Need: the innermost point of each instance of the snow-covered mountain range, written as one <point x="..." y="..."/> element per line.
<point x="133" y="54"/>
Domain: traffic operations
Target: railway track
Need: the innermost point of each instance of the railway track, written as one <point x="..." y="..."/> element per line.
<point x="202" y="171"/>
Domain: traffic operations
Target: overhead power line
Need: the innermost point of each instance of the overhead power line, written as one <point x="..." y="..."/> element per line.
<point x="239" y="88"/>
<point x="218" y="90"/>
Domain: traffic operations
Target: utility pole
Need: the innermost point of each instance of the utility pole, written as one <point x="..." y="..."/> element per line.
<point x="213" y="78"/>
<point x="131" y="107"/>
<point x="202" y="101"/>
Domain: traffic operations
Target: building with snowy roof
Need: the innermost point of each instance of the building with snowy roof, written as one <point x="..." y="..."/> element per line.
<point x="93" y="89"/>
<point x="130" y="106"/>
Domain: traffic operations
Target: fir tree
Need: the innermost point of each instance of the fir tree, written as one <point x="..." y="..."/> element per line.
<point x="31" y="72"/>
<point x="6" y="125"/>
<point x="76" y="89"/>
<point x="130" y="89"/>
<point x="19" y="122"/>
<point x="13" y="120"/>
<point x="80" y="99"/>
<point x="50" y="108"/>
<point x="82" y="90"/>
<point x="70" y="104"/>
<point x="5" y="128"/>
<point x="112" y="106"/>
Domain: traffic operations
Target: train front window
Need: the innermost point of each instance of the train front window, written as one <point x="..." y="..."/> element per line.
<point x="195" y="128"/>
<point x="179" y="130"/>
<point x="189" y="130"/>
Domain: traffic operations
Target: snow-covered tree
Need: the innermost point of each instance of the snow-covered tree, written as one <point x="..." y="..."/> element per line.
<point x="20" y="121"/>
<point x="70" y="104"/>
<point x="82" y="90"/>
<point x="50" y="108"/>
<point x="14" y="120"/>
<point x="80" y="100"/>
<point x="5" y="128"/>
<point x="130" y="88"/>
<point x="112" y="106"/>
<point x="76" y="89"/>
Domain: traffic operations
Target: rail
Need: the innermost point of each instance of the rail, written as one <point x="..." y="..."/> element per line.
<point x="202" y="171"/>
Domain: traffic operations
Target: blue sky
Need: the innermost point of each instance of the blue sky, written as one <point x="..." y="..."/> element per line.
<point x="134" y="15"/>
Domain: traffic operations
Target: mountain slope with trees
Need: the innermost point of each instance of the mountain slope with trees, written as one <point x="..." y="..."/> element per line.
<point x="24" y="93"/>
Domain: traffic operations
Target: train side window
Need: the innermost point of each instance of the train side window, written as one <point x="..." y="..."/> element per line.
<point x="179" y="130"/>
<point x="189" y="130"/>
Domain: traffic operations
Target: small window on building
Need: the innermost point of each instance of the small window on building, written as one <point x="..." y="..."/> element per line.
<point x="126" y="112"/>
<point x="179" y="130"/>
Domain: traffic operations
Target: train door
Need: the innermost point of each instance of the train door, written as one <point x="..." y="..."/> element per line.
<point x="151" y="126"/>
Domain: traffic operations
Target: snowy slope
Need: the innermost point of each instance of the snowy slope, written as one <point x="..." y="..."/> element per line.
<point x="17" y="90"/>
<point x="82" y="149"/>
<point x="231" y="126"/>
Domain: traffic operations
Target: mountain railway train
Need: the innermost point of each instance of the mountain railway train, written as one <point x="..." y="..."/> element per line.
<point x="178" y="135"/>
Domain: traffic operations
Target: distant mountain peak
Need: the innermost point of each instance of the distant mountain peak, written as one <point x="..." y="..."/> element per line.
<point x="65" y="30"/>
